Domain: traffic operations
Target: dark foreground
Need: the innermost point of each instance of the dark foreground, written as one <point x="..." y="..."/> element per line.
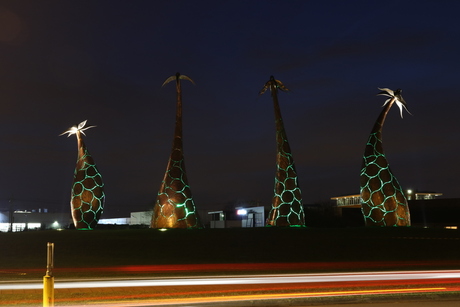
<point x="147" y="252"/>
<point x="323" y="249"/>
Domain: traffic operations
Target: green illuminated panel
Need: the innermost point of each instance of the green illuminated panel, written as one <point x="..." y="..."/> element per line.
<point x="383" y="200"/>
<point x="87" y="198"/>
<point x="174" y="207"/>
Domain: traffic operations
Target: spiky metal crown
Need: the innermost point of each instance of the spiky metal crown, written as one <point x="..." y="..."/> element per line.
<point x="395" y="96"/>
<point x="80" y="128"/>
<point x="276" y="83"/>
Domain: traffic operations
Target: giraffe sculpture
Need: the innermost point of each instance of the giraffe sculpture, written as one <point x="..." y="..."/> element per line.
<point x="174" y="207"/>
<point x="383" y="202"/>
<point x="87" y="196"/>
<point x="287" y="209"/>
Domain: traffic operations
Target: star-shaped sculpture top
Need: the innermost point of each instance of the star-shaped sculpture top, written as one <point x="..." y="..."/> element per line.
<point x="276" y="83"/>
<point x="80" y="128"/>
<point x="177" y="77"/>
<point x="394" y="97"/>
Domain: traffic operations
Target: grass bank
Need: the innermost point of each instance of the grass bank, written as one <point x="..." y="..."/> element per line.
<point x="437" y="248"/>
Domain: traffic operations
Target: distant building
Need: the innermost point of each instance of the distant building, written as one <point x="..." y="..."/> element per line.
<point x="135" y="218"/>
<point x="141" y="218"/>
<point x="114" y="221"/>
<point x="354" y="201"/>
<point x="426" y="210"/>
<point x="22" y="220"/>
<point x="240" y="217"/>
<point x="422" y="195"/>
<point x="348" y="201"/>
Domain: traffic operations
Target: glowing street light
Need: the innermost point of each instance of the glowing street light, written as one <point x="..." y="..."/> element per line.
<point x="409" y="194"/>
<point x="241" y="212"/>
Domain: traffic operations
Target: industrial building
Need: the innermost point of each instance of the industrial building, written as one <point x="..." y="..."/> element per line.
<point x="21" y="220"/>
<point x="426" y="210"/>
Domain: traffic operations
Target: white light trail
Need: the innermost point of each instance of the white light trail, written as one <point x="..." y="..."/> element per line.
<point x="248" y="279"/>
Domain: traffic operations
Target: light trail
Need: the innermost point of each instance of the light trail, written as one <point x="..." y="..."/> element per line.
<point x="243" y="280"/>
<point x="322" y="294"/>
<point x="227" y="300"/>
<point x="246" y="267"/>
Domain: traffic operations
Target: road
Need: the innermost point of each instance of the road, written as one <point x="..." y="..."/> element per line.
<point x="260" y="290"/>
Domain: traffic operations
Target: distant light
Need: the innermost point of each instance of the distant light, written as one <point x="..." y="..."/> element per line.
<point x="162" y="229"/>
<point x="241" y="212"/>
<point x="409" y="191"/>
<point x="451" y="227"/>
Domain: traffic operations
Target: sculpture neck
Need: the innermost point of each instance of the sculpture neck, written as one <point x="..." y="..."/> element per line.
<point x="381" y="119"/>
<point x="178" y="129"/>
<point x="81" y="145"/>
<point x="278" y="118"/>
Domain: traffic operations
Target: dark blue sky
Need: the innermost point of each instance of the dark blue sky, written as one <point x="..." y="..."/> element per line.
<point x="62" y="62"/>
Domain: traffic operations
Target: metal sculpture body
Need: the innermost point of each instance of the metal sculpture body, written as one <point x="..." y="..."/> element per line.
<point x="174" y="207"/>
<point x="287" y="209"/>
<point x="383" y="200"/>
<point x="87" y="197"/>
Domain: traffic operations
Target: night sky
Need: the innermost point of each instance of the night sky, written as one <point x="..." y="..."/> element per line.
<point x="62" y="62"/>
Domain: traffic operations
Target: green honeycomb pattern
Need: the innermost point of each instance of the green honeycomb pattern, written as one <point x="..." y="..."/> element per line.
<point x="287" y="209"/>
<point x="174" y="207"/>
<point x="87" y="191"/>
<point x="383" y="200"/>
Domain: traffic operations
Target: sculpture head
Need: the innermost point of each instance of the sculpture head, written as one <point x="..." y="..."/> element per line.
<point x="176" y="78"/>
<point x="395" y="96"/>
<point x="276" y="84"/>
<point x="77" y="129"/>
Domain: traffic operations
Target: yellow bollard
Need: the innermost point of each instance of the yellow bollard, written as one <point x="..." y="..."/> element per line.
<point x="48" y="279"/>
<point x="48" y="291"/>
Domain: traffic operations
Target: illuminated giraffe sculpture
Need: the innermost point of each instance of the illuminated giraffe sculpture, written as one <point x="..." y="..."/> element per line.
<point x="174" y="207"/>
<point x="87" y="197"/>
<point x="383" y="200"/>
<point x="287" y="209"/>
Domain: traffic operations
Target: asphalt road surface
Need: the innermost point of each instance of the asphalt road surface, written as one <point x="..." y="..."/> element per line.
<point x="424" y="288"/>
